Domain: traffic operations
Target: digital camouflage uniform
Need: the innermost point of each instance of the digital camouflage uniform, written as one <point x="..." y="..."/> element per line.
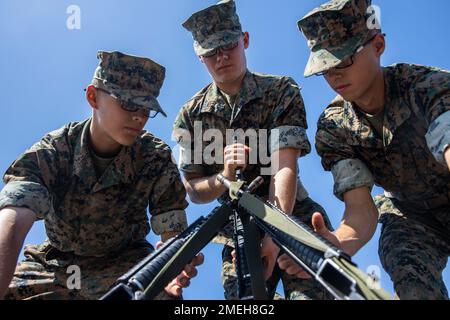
<point x="404" y="155"/>
<point x="264" y="102"/>
<point x="98" y="223"/>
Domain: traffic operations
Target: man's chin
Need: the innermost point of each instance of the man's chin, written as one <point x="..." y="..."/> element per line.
<point x="346" y="96"/>
<point x="227" y="78"/>
<point x="126" y="142"/>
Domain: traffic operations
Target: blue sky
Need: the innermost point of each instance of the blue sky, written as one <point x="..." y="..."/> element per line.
<point x="44" y="67"/>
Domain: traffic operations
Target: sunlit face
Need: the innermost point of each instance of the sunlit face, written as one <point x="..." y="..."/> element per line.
<point x="228" y="66"/>
<point x="353" y="82"/>
<point x="117" y="124"/>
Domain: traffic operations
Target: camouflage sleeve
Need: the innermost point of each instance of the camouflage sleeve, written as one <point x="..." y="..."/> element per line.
<point x="438" y="137"/>
<point x="338" y="155"/>
<point x="431" y="89"/>
<point x="27" y="180"/>
<point x="332" y="143"/>
<point x="183" y="135"/>
<point x="168" y="202"/>
<point x="350" y="174"/>
<point x="288" y="127"/>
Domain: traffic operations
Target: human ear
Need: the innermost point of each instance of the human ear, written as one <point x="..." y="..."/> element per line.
<point x="91" y="96"/>
<point x="379" y="44"/>
<point x="246" y="40"/>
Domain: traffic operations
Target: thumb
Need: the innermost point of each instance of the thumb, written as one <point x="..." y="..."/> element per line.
<point x="318" y="224"/>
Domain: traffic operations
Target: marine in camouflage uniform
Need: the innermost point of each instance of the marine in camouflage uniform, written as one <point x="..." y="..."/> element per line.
<point x="400" y="149"/>
<point x="264" y="103"/>
<point x="94" y="209"/>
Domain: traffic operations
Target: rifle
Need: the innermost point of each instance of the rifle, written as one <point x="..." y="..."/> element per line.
<point x="331" y="267"/>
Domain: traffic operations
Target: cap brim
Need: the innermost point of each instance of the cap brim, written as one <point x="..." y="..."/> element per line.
<point x="216" y="40"/>
<point x="148" y="102"/>
<point x="325" y="59"/>
<point x="139" y="98"/>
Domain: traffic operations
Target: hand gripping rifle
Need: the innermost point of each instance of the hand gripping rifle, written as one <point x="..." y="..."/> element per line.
<point x="332" y="268"/>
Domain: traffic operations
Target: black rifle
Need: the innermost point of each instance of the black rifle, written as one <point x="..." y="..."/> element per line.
<point x="332" y="268"/>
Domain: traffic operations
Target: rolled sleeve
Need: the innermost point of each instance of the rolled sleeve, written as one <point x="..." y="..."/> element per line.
<point x="172" y="221"/>
<point x="288" y="124"/>
<point x="350" y="174"/>
<point x="31" y="195"/>
<point x="438" y="137"/>
<point x="168" y="200"/>
<point x="289" y="137"/>
<point x="185" y="163"/>
<point x="29" y="179"/>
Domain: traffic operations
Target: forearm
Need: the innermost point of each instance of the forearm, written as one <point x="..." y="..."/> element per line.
<point x="283" y="189"/>
<point x="13" y="230"/>
<point x="357" y="226"/>
<point x="283" y="184"/>
<point x="204" y="190"/>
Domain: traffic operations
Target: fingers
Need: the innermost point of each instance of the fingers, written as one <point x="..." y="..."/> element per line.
<point x="236" y="149"/>
<point x="159" y="244"/>
<point x="173" y="288"/>
<point x="268" y="247"/>
<point x="236" y="155"/>
<point x="180" y="282"/>
<point x="184" y="281"/>
<point x="291" y="267"/>
<point x="269" y="254"/>
<point x="235" y="160"/>
<point x="237" y="146"/>
<point x="198" y="260"/>
<point x="284" y="261"/>
<point x="190" y="271"/>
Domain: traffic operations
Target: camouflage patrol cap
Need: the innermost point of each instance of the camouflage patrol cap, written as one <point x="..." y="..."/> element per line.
<point x="133" y="80"/>
<point x="215" y="26"/>
<point x="335" y="30"/>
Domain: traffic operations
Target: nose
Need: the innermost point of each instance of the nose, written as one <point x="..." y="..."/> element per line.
<point x="140" y="116"/>
<point x="221" y="55"/>
<point x="334" y="74"/>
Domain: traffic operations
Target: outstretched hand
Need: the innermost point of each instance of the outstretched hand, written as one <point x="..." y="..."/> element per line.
<point x="183" y="280"/>
<point x="290" y="266"/>
<point x="269" y="254"/>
